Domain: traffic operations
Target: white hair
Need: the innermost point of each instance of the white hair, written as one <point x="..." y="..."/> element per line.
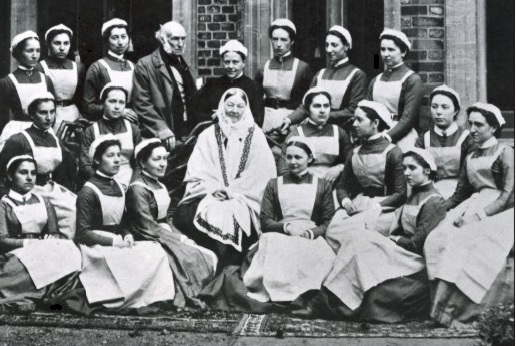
<point x="167" y="29"/>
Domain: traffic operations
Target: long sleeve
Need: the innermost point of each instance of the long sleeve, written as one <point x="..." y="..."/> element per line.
<point x="5" y="101"/>
<point x="326" y="210"/>
<point x="270" y="210"/>
<point x="357" y="90"/>
<point x="203" y="108"/>
<point x="92" y="108"/>
<point x="301" y="113"/>
<point x="85" y="169"/>
<point x="139" y="214"/>
<point x="347" y="185"/>
<point x="51" y="227"/>
<point x="463" y="190"/>
<point x="137" y="138"/>
<point x="503" y="166"/>
<point x="256" y="103"/>
<point x="6" y="242"/>
<point x="431" y="213"/>
<point x="88" y="207"/>
<point x="345" y="147"/>
<point x="395" y="180"/>
<point x="79" y="92"/>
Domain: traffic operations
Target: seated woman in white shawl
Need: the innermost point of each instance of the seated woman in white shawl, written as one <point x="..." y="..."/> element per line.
<point x="226" y="177"/>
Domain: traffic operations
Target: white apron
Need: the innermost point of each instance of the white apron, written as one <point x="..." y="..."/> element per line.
<point x="46" y="260"/>
<point x="65" y="85"/>
<point x="125" y="173"/>
<point x="388" y="94"/>
<point x="122" y="78"/>
<point x="161" y="196"/>
<point x="447" y="160"/>
<point x="129" y="277"/>
<point x="63" y="200"/>
<point x="277" y="84"/>
<point x="285" y="267"/>
<point x="25" y="92"/>
<point x="336" y="88"/>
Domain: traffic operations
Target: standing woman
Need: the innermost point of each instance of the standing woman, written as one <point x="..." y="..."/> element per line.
<point x="345" y="82"/>
<point x="147" y="203"/>
<point x="67" y="75"/>
<point x="372" y="179"/>
<point x="399" y="88"/>
<point x="114" y="67"/>
<point x="284" y="78"/>
<point x="116" y="271"/>
<point x="470" y="248"/>
<point x="114" y="99"/>
<point x="446" y="141"/>
<point x="16" y="88"/>
<point x="34" y="260"/>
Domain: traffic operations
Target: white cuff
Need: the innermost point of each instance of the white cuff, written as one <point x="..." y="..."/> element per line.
<point x="312" y="236"/>
<point x="341" y="166"/>
<point x="481" y="214"/>
<point x="344" y="201"/>
<point x="386" y="135"/>
<point x="285" y="227"/>
<point x="129" y="236"/>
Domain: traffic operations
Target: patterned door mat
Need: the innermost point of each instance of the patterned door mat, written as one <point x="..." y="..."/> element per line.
<point x="284" y="326"/>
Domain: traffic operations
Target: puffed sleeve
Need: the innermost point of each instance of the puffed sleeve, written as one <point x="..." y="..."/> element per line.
<point x="270" y="211"/>
<point x="88" y="207"/>
<point x="395" y="180"/>
<point x="6" y="242"/>
<point x="139" y="216"/>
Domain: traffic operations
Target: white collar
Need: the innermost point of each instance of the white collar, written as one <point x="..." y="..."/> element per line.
<point x="280" y="58"/>
<point x="19" y="197"/>
<point x="373" y="137"/>
<point x="392" y="68"/>
<point x="302" y="174"/>
<point x="449" y="131"/>
<point x="150" y="176"/>
<point x="313" y="123"/>
<point x="340" y="62"/>
<point x="121" y="57"/>
<point x="489" y="143"/>
<point x="103" y="174"/>
<point x="25" y="68"/>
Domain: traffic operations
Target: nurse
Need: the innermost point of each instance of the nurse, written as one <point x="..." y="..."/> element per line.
<point x="33" y="254"/>
<point x="470" y="248"/>
<point x="446" y="141"/>
<point x="56" y="168"/>
<point x="114" y="67"/>
<point x="284" y="78"/>
<point x="67" y="75"/>
<point x="17" y="88"/>
<point x="113" y="98"/>
<point x="345" y="82"/>
<point x="372" y="184"/>
<point x="117" y="272"/>
<point x="399" y="88"/>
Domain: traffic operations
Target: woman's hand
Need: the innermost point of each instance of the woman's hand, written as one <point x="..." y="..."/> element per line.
<point x="119" y="242"/>
<point x="350" y="208"/>
<point x="48" y="236"/>
<point x="306" y="234"/>
<point x="464" y="220"/>
<point x="130" y="115"/>
<point x="221" y="195"/>
<point x="333" y="173"/>
<point x="285" y="125"/>
<point x="293" y="230"/>
<point x="170" y="143"/>
<point x="129" y="239"/>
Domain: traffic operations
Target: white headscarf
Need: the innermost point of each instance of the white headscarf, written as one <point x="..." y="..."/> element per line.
<point x="226" y="125"/>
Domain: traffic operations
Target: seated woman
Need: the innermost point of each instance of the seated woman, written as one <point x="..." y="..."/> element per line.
<point x="330" y="142"/>
<point x="116" y="272"/>
<point x="226" y="176"/>
<point x="377" y="278"/>
<point x="447" y="142"/>
<point x="56" y="168"/>
<point x="147" y="203"/>
<point x="35" y="262"/>
<point x="470" y="248"/>
<point x="372" y="179"/>
<point x="295" y="212"/>
<point x="113" y="98"/>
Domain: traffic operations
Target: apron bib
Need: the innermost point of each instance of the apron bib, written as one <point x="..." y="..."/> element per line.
<point x="47" y="158"/>
<point x="409" y="215"/>
<point x="123" y="78"/>
<point x="126" y="140"/>
<point x="447" y="159"/>
<point x="326" y="151"/>
<point x="479" y="170"/>
<point x="161" y="196"/>
<point x="370" y="169"/>
<point x="32" y="217"/>
<point x="297" y="202"/>
<point x="336" y="88"/>
<point x="26" y="90"/>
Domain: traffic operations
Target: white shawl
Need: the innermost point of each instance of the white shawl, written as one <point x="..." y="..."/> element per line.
<point x="248" y="166"/>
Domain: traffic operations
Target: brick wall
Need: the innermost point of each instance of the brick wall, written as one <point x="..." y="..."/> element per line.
<point x="218" y="22"/>
<point x="423" y="22"/>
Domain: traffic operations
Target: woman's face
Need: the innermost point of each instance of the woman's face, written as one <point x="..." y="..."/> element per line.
<point x="335" y="49"/>
<point x="24" y="177"/>
<point x="297" y="159"/>
<point x="234" y="108"/>
<point x="391" y="53"/>
<point x="233" y="64"/>
<point x="443" y="111"/>
<point x="29" y="55"/>
<point x="110" y="161"/>
<point x="480" y="130"/>
<point x="156" y="165"/>
<point x="114" y="105"/>
<point x="363" y="126"/>
<point x="45" y="115"/>
<point x="118" y="41"/>
<point x="59" y="46"/>
<point x="415" y="173"/>
<point x="320" y="110"/>
<point x="281" y="42"/>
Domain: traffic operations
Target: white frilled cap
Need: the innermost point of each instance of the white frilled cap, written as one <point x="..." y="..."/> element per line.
<point x="101" y="139"/>
<point x="446" y="89"/>
<point x="397" y="34"/>
<point x="112" y="22"/>
<point x="42" y="95"/>
<point x="284" y="22"/>
<point x="344" y="32"/>
<point x="59" y="27"/>
<point x="109" y="86"/>
<point x="20" y="37"/>
<point x="144" y="144"/>
<point x="425" y="155"/>
<point x="19" y="157"/>
<point x="492" y="109"/>
<point x="304" y="141"/>
<point x="233" y="46"/>
<point x="380" y="109"/>
<point x="314" y="90"/>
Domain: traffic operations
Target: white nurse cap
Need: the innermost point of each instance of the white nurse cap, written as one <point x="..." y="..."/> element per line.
<point x="16" y="158"/>
<point x="446" y="89"/>
<point x="112" y="22"/>
<point x="425" y="155"/>
<point x="284" y="22"/>
<point x="491" y="109"/>
<point x="101" y="139"/>
<point x="59" y="27"/>
<point x="110" y="86"/>
<point x="144" y="144"/>
<point x="398" y="34"/>
<point x="20" y="37"/>
<point x="343" y="32"/>
<point x="42" y="95"/>
<point x="233" y="46"/>
<point x="380" y="109"/>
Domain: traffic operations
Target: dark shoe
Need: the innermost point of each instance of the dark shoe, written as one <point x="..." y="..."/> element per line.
<point x="307" y="312"/>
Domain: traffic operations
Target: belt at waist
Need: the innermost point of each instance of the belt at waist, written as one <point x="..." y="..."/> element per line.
<point x="374" y="192"/>
<point x="29" y="236"/>
<point x="64" y="103"/>
<point x="277" y="103"/>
